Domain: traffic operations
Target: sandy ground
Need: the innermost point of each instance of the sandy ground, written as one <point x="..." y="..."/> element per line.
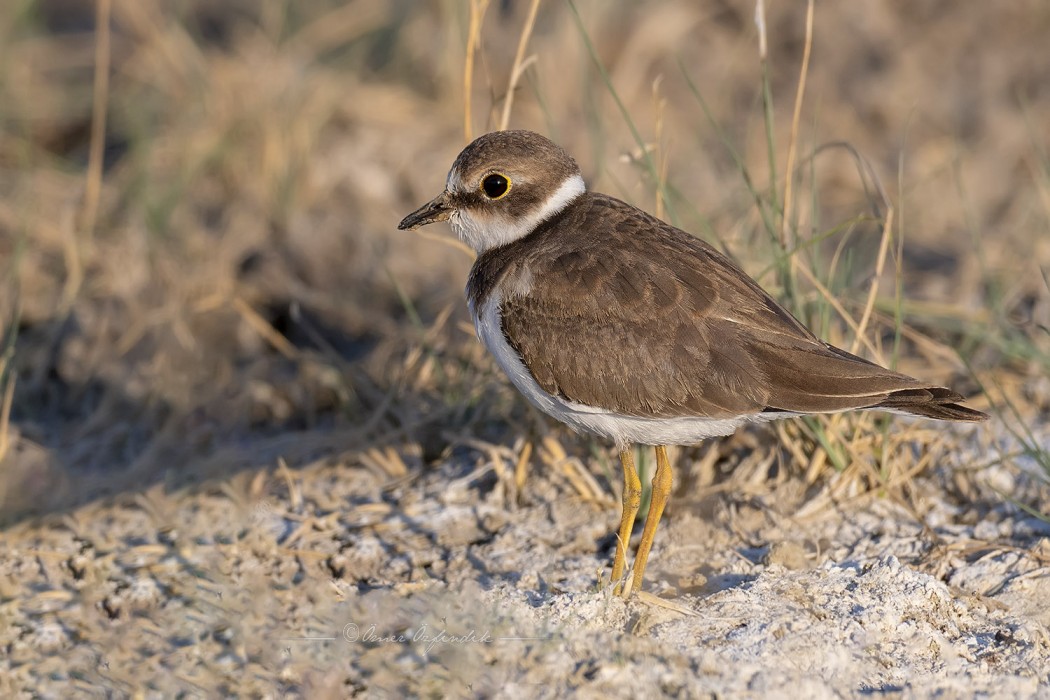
<point x="450" y="581"/>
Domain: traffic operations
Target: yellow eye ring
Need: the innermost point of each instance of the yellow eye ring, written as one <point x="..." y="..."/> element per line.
<point x="495" y="185"/>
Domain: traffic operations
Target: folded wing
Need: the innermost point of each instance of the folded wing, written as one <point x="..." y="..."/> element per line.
<point x="666" y="326"/>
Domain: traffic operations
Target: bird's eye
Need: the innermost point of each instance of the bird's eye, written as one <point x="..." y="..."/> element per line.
<point x="495" y="185"/>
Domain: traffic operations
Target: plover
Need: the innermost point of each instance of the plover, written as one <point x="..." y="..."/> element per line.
<point x="623" y="326"/>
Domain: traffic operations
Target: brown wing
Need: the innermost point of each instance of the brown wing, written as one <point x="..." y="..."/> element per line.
<point x="662" y="325"/>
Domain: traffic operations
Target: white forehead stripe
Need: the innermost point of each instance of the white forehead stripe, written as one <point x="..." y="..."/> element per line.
<point x="453" y="181"/>
<point x="483" y="233"/>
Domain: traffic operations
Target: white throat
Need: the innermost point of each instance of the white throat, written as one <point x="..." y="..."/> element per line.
<point x="484" y="233"/>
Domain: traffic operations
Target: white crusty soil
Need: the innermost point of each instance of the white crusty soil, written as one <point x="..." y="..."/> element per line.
<point x="334" y="579"/>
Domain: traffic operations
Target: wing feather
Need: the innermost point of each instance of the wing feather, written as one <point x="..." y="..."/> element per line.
<point x="663" y="325"/>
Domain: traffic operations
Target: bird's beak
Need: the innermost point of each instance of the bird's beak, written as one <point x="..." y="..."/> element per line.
<point x="437" y="209"/>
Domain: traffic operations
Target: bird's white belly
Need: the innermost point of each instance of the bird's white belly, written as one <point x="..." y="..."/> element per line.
<point x="621" y="429"/>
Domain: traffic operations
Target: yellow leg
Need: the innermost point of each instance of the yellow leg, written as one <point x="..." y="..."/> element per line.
<point x="661" y="490"/>
<point x="632" y="498"/>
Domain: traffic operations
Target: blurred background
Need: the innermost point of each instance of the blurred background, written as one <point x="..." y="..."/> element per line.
<point x="199" y="267"/>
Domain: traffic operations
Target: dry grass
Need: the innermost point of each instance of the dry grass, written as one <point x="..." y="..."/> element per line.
<point x="221" y="268"/>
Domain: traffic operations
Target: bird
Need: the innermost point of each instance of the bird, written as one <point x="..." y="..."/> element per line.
<point x="625" y="327"/>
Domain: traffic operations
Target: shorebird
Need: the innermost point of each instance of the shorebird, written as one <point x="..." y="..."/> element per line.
<point x="621" y="325"/>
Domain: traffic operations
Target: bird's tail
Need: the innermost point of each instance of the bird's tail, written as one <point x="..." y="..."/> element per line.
<point x="931" y="402"/>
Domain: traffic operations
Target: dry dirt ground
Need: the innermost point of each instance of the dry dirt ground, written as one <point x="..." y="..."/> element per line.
<point x="249" y="445"/>
<point x="389" y="580"/>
